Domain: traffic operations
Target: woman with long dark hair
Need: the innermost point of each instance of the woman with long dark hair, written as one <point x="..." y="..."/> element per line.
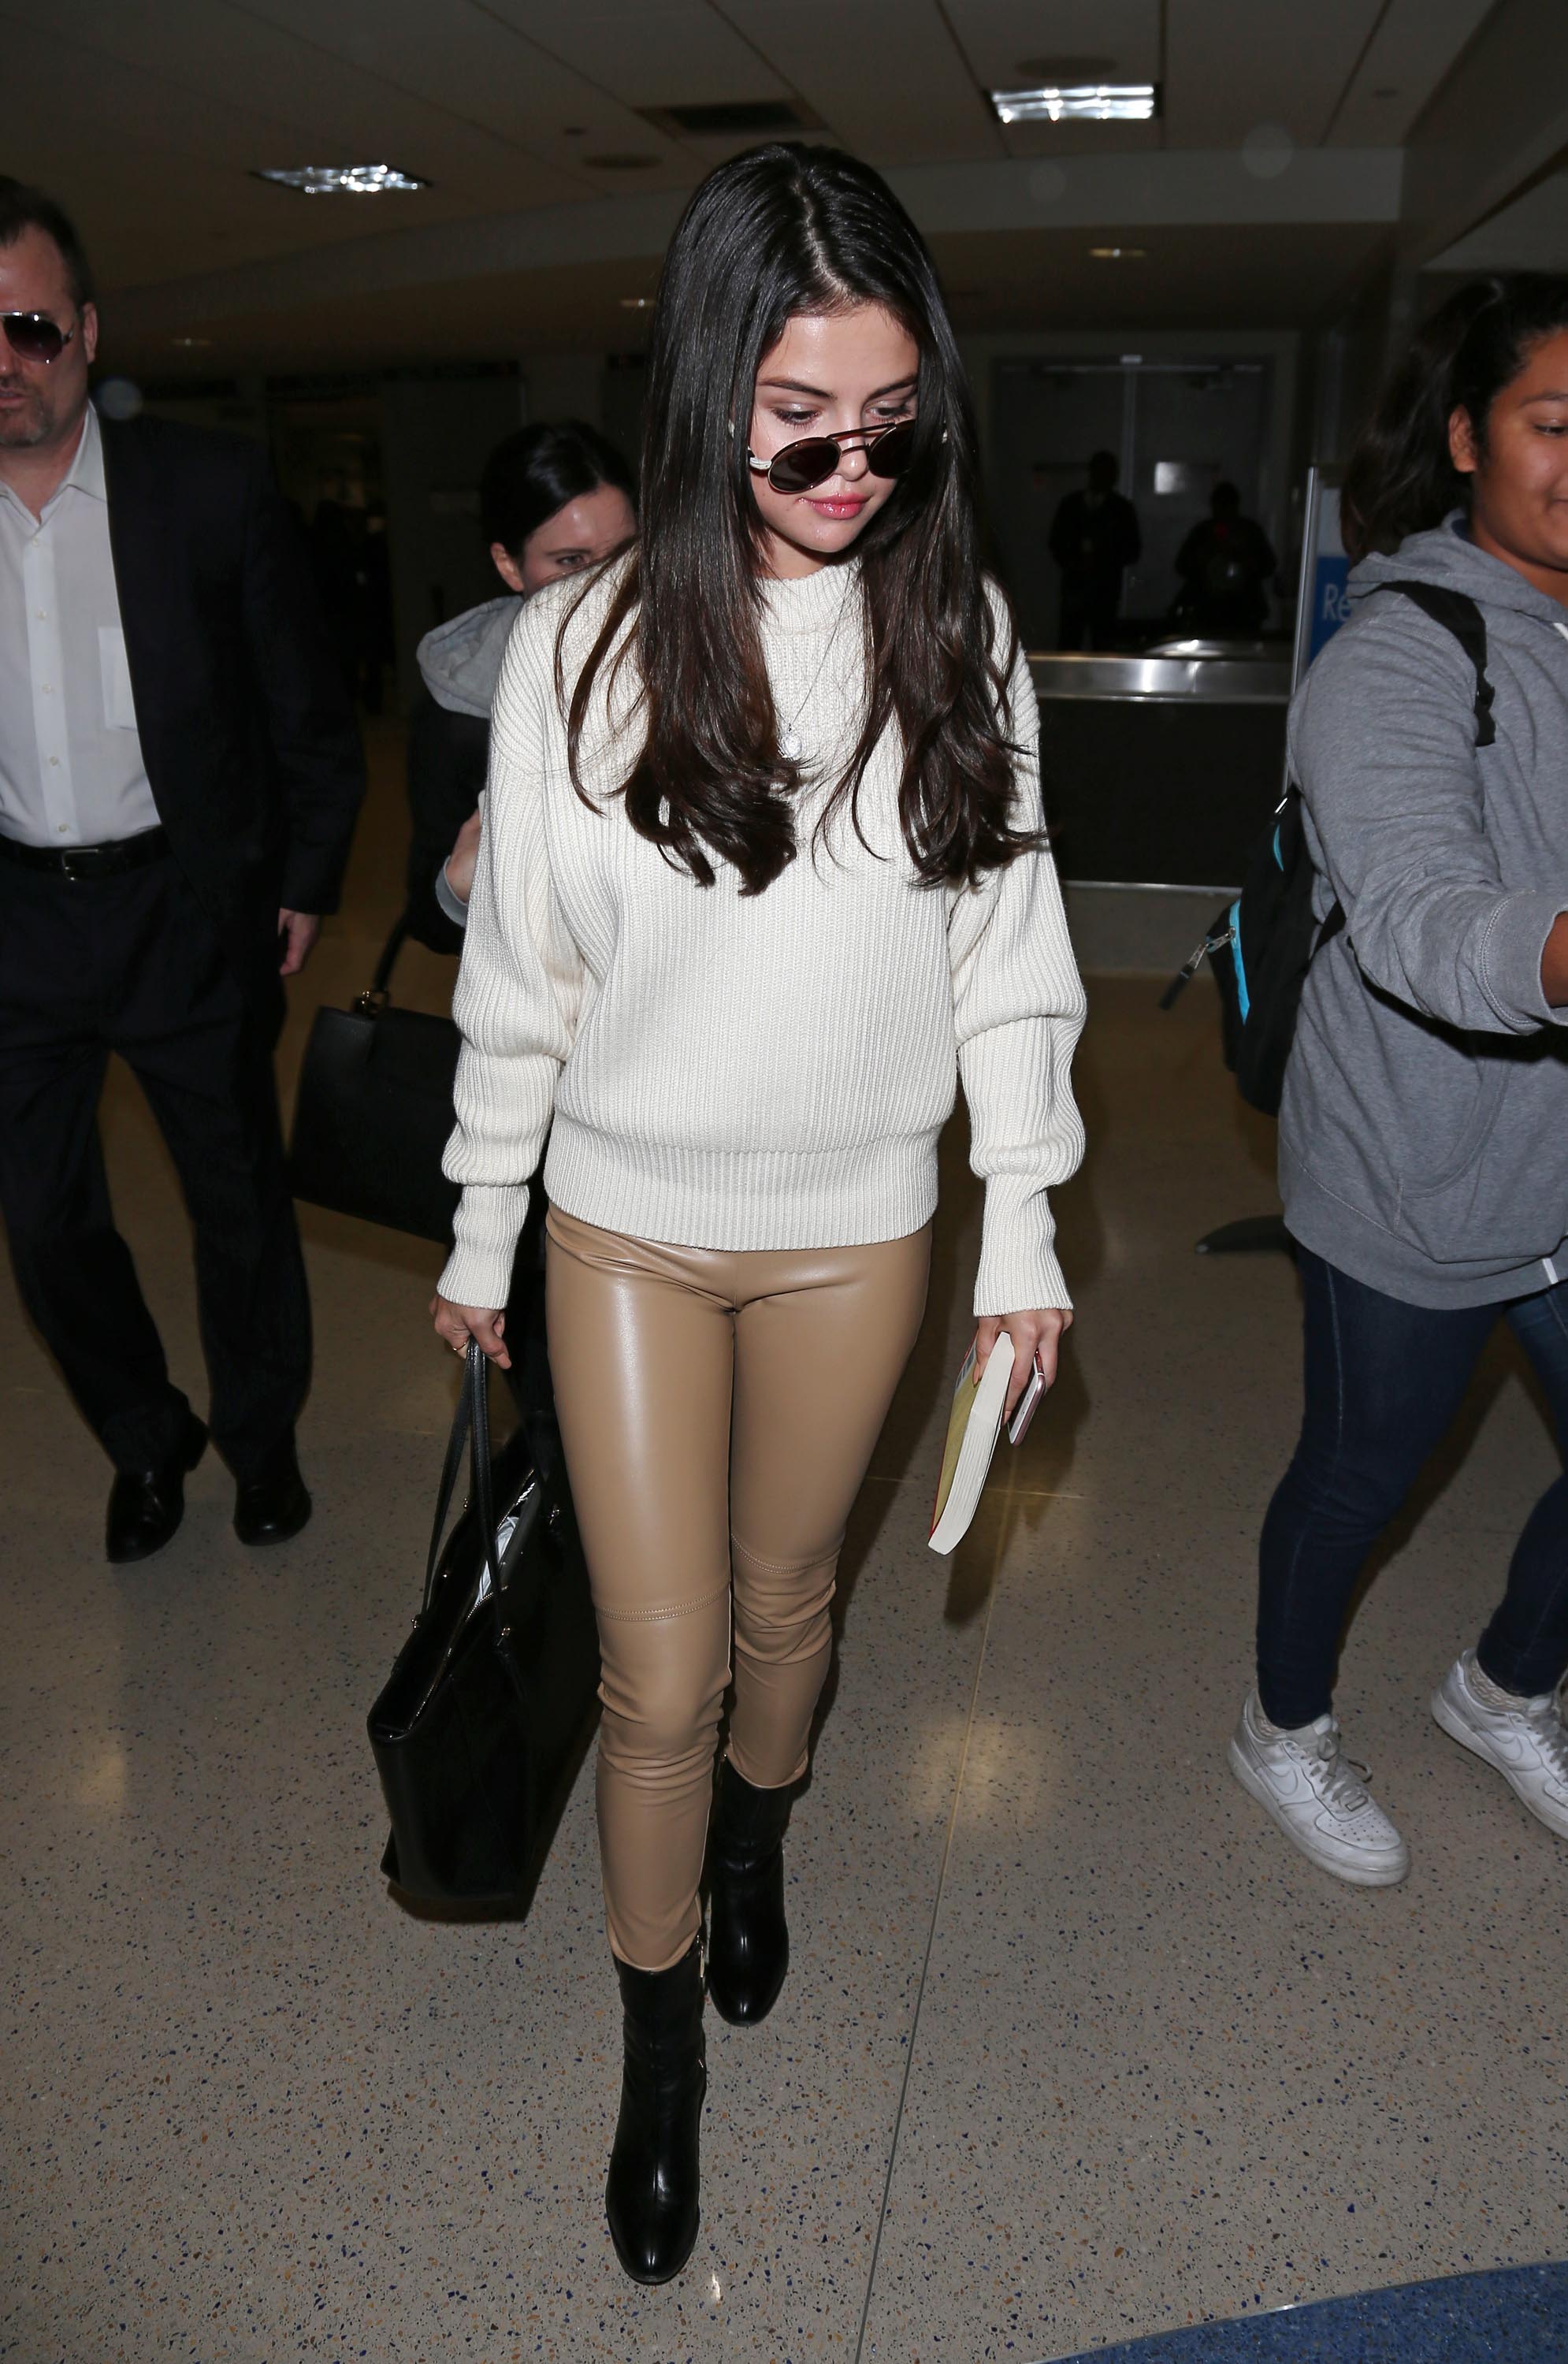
<point x="554" y="499"/>
<point x="1425" y="1102"/>
<point x="761" y="873"/>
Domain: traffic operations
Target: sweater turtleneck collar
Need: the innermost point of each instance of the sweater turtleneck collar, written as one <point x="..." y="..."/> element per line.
<point x="810" y="603"/>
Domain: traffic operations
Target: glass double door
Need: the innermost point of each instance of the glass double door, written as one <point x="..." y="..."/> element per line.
<point x="1177" y="428"/>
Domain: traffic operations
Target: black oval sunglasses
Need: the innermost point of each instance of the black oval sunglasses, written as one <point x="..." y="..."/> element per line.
<point x="34" y="337"/>
<point x="814" y="457"/>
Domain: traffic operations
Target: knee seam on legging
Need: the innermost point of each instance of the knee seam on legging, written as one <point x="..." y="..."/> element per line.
<point x="786" y="1567"/>
<point x="656" y="1616"/>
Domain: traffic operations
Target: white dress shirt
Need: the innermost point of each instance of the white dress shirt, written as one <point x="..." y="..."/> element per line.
<point x="70" y="765"/>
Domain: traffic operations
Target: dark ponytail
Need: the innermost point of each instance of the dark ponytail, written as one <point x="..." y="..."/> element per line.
<point x="1400" y="479"/>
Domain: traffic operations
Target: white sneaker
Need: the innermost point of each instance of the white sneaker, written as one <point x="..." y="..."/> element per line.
<point x="1314" y="1795"/>
<point x="1528" y="1744"/>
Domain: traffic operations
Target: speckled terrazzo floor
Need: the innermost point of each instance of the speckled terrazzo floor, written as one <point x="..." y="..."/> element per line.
<point x="1075" y="2050"/>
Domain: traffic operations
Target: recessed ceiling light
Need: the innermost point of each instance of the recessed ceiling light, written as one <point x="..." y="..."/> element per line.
<point x="342" y="180"/>
<point x="1119" y="253"/>
<point x="188" y="341"/>
<point x="637" y="302"/>
<point x="1089" y="101"/>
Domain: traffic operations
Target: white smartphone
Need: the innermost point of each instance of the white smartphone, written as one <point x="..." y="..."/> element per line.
<point x="1027" y="1403"/>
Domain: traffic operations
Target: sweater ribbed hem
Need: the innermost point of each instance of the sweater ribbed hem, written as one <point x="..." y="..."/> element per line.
<point x="1353" y="1244"/>
<point x="742" y="1199"/>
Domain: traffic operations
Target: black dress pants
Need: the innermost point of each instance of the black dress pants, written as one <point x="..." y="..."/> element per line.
<point x="133" y="965"/>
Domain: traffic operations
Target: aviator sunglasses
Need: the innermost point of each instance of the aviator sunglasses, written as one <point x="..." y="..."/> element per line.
<point x="34" y="337"/>
<point x="814" y="457"/>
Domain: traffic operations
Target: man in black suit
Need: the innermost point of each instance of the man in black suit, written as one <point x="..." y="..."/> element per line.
<point x="1093" y="539"/>
<point x="179" y="778"/>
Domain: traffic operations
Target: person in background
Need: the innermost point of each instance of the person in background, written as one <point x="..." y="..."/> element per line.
<point x="1425" y="1100"/>
<point x="377" y="638"/>
<point x="1226" y="565"/>
<point x="762" y="871"/>
<point x="340" y="588"/>
<point x="179" y="778"/>
<point x="1093" y="539"/>
<point x="554" y="498"/>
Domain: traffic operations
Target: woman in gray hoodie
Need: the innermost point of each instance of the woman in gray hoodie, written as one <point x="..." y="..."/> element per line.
<point x="554" y="499"/>
<point x="1424" y="1127"/>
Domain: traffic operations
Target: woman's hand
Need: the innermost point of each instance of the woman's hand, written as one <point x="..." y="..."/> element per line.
<point x="456" y="1325"/>
<point x="462" y="858"/>
<point x="1038" y="1334"/>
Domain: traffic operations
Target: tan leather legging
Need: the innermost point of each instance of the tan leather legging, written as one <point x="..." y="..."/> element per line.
<point x="718" y="1409"/>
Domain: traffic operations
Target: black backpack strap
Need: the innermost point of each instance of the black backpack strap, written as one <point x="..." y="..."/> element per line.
<point x="1458" y="614"/>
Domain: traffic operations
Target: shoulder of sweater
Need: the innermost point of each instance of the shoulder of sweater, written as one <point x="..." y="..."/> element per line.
<point x="556" y="627"/>
<point x="1008" y="655"/>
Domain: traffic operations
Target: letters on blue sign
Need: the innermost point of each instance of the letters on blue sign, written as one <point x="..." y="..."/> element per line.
<point x="1331" y="602"/>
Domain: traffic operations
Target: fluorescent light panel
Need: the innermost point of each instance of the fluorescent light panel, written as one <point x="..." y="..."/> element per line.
<point x="1105" y="101"/>
<point x="342" y="180"/>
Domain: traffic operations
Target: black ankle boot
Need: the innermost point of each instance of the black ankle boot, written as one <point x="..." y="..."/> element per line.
<point x="747" y="1940"/>
<point x="650" y="2198"/>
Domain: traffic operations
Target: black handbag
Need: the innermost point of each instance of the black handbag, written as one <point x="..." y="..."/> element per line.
<point x="480" y="1728"/>
<point x="374" y="1112"/>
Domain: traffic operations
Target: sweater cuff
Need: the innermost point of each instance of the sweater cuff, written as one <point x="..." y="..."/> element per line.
<point x="1018" y="1271"/>
<point x="1510" y="958"/>
<point x="485" y="1244"/>
<point x="448" y="902"/>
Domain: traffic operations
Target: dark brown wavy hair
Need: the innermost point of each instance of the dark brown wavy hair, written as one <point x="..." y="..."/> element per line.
<point x="1401" y="479"/>
<point x="782" y="231"/>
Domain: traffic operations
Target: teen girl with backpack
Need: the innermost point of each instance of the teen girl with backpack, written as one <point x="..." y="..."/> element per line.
<point x="1424" y="1123"/>
<point x="762" y="873"/>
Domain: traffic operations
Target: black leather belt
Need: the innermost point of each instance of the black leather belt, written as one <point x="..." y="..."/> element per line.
<point x="88" y="861"/>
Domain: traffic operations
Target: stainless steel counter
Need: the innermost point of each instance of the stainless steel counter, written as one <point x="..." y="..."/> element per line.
<point x="1161" y="769"/>
<point x="1150" y="680"/>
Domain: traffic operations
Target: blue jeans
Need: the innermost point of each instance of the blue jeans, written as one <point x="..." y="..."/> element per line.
<point x="1383" y="1381"/>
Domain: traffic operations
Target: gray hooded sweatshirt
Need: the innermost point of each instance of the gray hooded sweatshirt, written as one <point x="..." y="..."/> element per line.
<point x="460" y="661"/>
<point x="1424" y="1128"/>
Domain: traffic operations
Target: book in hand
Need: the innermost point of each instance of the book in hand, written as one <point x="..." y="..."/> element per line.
<point x="974" y="1426"/>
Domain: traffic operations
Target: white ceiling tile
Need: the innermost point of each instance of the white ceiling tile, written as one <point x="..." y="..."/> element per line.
<point x="1234" y="65"/>
<point x="1408" y="56"/>
<point x="1036" y="141"/>
<point x="464" y="60"/>
<point x="1000" y="37"/>
<point x="886" y="76"/>
<point x="651" y="52"/>
<point x="1530" y="235"/>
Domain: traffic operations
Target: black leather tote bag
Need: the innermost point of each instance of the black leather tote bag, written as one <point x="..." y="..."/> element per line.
<point x="374" y="1112"/>
<point x="479" y="1727"/>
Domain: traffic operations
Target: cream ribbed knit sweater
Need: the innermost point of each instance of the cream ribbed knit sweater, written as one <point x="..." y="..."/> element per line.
<point x="768" y="1071"/>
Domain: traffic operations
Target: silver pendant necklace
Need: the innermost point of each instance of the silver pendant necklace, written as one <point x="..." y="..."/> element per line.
<point x="789" y="738"/>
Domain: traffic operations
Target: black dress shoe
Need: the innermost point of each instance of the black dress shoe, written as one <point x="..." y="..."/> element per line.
<point x="273" y="1505"/>
<point x="652" y="2197"/>
<point x="748" y="1936"/>
<point x="146" y="1506"/>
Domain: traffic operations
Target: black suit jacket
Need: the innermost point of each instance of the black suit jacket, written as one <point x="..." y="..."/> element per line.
<point x="249" y="738"/>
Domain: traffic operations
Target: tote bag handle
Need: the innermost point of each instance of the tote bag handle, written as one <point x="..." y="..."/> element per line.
<point x="470" y="1426"/>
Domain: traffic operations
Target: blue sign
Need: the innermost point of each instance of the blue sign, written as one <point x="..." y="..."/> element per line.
<point x="1330" y="598"/>
<point x="1323" y="600"/>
